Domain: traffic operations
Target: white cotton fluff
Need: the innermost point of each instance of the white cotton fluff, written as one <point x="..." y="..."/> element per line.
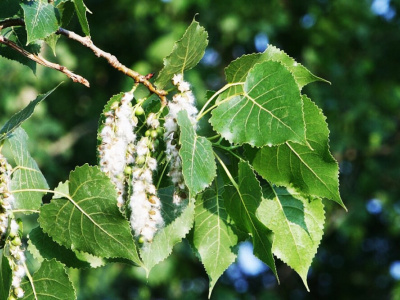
<point x="117" y="148"/>
<point x="184" y="100"/>
<point x="145" y="206"/>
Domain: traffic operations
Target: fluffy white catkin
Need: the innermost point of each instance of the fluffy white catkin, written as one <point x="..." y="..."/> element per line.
<point x="117" y="148"/>
<point x="7" y="221"/>
<point x="184" y="100"/>
<point x="145" y="206"/>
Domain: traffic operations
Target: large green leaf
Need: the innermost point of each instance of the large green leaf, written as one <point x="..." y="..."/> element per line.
<point x="312" y="170"/>
<point x="88" y="219"/>
<point x="50" y="282"/>
<point x="18" y="36"/>
<point x="186" y="54"/>
<point x="40" y="19"/>
<point x="297" y="224"/>
<point x="27" y="175"/>
<point x="81" y="10"/>
<point x="16" y="120"/>
<point x="242" y="201"/>
<point x="300" y="73"/>
<point x="267" y="112"/>
<point x="177" y="223"/>
<point x="41" y="246"/>
<point x="198" y="164"/>
<point x="213" y="237"/>
<point x="8" y="8"/>
<point x="5" y="276"/>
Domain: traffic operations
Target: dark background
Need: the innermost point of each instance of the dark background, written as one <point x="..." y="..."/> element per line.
<point x="353" y="44"/>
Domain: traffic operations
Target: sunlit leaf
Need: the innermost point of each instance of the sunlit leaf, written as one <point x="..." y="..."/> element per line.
<point x="66" y="10"/>
<point x="301" y="74"/>
<point x="27" y="176"/>
<point x="40" y="19"/>
<point x="198" y="164"/>
<point x="297" y="224"/>
<point x="312" y="170"/>
<point x="213" y="237"/>
<point x="81" y="10"/>
<point x="267" y="112"/>
<point x="49" y="282"/>
<point x="186" y="54"/>
<point x="88" y="219"/>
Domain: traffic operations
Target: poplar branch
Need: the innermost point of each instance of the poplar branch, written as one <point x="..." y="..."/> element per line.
<point x="113" y="61"/>
<point x="40" y="60"/>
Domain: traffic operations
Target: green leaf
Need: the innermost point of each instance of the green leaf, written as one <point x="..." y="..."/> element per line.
<point x="300" y="73"/>
<point x="27" y="175"/>
<point x="66" y="11"/>
<point x="43" y="247"/>
<point x="5" y="276"/>
<point x="213" y="236"/>
<point x="311" y="170"/>
<point x="238" y="70"/>
<point x="81" y="10"/>
<point x="178" y="221"/>
<point x="198" y="164"/>
<point x="18" y="36"/>
<point x="8" y="9"/>
<point x="268" y="112"/>
<point x="186" y="54"/>
<point x="284" y="213"/>
<point x="88" y="219"/>
<point x="16" y="120"/>
<point x="40" y="19"/>
<point x="48" y="283"/>
<point x="241" y="202"/>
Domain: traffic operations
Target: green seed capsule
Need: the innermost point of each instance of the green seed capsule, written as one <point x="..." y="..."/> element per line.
<point x="16" y="241"/>
<point x="154" y="134"/>
<point x="140" y="160"/>
<point x="128" y="170"/>
<point x="139" y="111"/>
<point x="147" y="133"/>
<point x="160" y="130"/>
<point x="141" y="239"/>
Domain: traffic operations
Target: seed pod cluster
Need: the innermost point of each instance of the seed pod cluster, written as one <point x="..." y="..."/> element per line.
<point x="184" y="100"/>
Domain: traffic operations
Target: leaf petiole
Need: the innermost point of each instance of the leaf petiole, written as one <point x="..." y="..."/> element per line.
<point x="227" y="171"/>
<point x="223" y="89"/>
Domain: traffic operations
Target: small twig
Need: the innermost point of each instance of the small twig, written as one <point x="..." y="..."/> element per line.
<point x="113" y="61"/>
<point x="42" y="61"/>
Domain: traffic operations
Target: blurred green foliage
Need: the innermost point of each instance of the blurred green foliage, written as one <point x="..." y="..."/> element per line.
<point x="353" y="44"/>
